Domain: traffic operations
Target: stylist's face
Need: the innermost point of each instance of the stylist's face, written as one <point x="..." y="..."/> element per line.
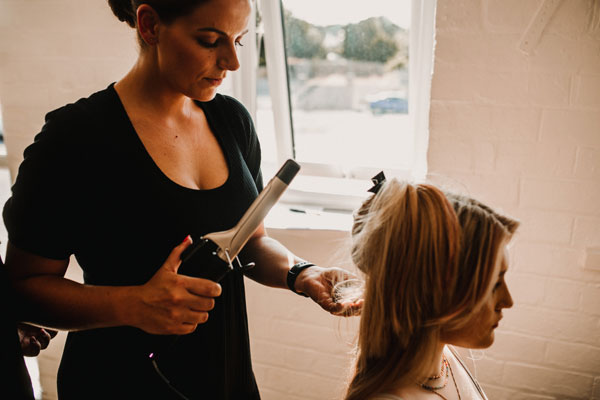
<point x="195" y="51"/>
<point x="478" y="332"/>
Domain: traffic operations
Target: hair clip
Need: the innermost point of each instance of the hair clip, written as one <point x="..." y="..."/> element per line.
<point x="378" y="181"/>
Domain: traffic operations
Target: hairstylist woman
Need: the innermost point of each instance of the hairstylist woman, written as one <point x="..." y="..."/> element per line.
<point x="119" y="179"/>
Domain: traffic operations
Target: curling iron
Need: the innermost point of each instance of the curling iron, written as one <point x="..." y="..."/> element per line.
<point x="212" y="256"/>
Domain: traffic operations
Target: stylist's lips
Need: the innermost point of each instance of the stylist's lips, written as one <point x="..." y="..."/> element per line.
<point x="215" y="82"/>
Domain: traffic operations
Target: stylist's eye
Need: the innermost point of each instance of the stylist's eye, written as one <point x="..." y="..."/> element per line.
<point x="239" y="44"/>
<point x="208" y="44"/>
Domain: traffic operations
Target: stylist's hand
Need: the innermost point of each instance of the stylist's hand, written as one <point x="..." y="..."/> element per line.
<point x="173" y="304"/>
<point x="34" y="339"/>
<point x="318" y="283"/>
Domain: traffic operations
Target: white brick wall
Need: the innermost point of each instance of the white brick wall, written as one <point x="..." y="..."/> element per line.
<point x="536" y="118"/>
<point x="53" y="52"/>
<point x="519" y="131"/>
<point x="299" y="351"/>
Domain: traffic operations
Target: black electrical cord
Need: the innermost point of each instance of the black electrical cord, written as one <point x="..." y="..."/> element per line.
<point x="162" y="376"/>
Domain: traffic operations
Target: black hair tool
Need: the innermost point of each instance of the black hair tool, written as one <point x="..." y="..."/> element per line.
<point x="212" y="256"/>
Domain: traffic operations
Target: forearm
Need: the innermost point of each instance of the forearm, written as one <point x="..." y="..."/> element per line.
<point x="60" y="303"/>
<point x="169" y="303"/>
<point x="273" y="260"/>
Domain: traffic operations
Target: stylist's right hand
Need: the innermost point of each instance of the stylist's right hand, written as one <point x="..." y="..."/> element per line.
<point x="173" y="304"/>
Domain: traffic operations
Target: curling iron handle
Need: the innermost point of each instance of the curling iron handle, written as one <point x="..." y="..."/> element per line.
<point x="201" y="260"/>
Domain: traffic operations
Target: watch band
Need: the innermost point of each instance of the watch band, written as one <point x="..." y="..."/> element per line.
<point x="293" y="273"/>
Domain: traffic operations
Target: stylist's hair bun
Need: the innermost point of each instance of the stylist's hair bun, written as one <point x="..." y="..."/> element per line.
<point x="123" y="9"/>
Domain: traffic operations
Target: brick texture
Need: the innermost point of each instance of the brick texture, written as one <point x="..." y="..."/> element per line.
<point x="549" y="105"/>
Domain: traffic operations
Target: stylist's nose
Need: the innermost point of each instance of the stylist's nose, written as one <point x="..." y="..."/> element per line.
<point x="228" y="59"/>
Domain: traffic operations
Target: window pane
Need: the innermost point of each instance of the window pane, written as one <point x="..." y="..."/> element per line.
<point x="348" y="77"/>
<point x="265" y="123"/>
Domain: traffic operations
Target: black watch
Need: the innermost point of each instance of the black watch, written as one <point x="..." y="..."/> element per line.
<point x="293" y="274"/>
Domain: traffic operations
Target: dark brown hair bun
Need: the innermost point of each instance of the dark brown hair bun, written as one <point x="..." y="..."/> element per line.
<point x="123" y="9"/>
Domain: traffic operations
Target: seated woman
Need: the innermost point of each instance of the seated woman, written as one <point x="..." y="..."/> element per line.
<point x="434" y="266"/>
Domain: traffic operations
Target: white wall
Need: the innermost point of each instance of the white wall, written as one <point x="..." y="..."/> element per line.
<point x="299" y="351"/>
<point x="53" y="52"/>
<point x="519" y="131"/>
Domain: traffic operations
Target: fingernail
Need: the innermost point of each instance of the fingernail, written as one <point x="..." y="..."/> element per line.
<point x="188" y="238"/>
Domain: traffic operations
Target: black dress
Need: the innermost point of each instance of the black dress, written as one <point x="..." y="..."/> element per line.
<point x="88" y="187"/>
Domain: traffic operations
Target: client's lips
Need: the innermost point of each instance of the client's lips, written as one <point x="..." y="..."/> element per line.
<point x="497" y="322"/>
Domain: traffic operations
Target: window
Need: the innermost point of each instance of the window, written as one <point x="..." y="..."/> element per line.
<point x="342" y="86"/>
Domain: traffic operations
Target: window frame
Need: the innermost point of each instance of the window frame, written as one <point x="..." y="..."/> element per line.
<point x="339" y="193"/>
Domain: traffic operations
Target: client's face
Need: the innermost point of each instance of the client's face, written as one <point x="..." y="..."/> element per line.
<point x="478" y="332"/>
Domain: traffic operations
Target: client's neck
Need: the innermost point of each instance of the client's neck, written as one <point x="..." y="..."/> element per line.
<point x="436" y="367"/>
<point x="414" y="390"/>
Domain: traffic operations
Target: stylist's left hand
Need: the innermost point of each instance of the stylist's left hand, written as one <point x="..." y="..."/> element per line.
<point x="34" y="339"/>
<point x="318" y="283"/>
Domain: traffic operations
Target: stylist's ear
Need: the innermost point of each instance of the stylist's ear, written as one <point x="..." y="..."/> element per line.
<point x="147" y="24"/>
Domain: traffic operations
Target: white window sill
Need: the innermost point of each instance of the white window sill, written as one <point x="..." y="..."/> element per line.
<point x="299" y="217"/>
<point x="323" y="202"/>
<point x="318" y="203"/>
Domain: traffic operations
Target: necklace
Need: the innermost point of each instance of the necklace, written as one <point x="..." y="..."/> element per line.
<point x="443" y="374"/>
<point x="434" y="377"/>
<point x="433" y="389"/>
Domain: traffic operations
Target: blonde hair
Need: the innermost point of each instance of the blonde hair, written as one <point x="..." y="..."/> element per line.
<point x="428" y="259"/>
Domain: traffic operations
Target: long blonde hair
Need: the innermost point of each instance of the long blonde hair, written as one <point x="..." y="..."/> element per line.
<point x="427" y="259"/>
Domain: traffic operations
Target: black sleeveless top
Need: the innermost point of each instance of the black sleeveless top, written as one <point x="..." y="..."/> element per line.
<point x="88" y="187"/>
